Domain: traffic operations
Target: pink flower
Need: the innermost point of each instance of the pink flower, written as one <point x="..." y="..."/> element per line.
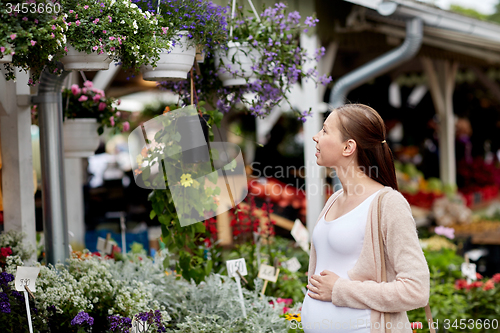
<point x="164" y="29"/>
<point x="112" y="120"/>
<point x="112" y="38"/>
<point x="96" y="98"/>
<point x="112" y="48"/>
<point x="119" y="40"/>
<point x="110" y="19"/>
<point x="25" y="18"/>
<point x="71" y="11"/>
<point x="13" y="36"/>
<point x="118" y="113"/>
<point x="96" y="21"/>
<point x="77" y="23"/>
<point x="2" y="49"/>
<point x="84" y="90"/>
<point x="76" y="16"/>
<point x="66" y="48"/>
<point x="126" y="126"/>
<point x="95" y="48"/>
<point x="444" y="231"/>
<point x="118" y="102"/>
<point x="53" y="27"/>
<point x="75" y="89"/>
<point x="102" y="106"/>
<point x="69" y="24"/>
<point x="104" y="31"/>
<point x="83" y="98"/>
<point x="36" y="21"/>
<point x="86" y="7"/>
<point x="88" y="84"/>
<point x="33" y="42"/>
<point x="52" y="35"/>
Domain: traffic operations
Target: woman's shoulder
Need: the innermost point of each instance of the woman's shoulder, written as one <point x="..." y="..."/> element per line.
<point x="393" y="199"/>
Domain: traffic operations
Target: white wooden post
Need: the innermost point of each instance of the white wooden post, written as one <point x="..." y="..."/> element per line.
<point x="441" y="78"/>
<point x="17" y="167"/>
<point x="74" y="201"/>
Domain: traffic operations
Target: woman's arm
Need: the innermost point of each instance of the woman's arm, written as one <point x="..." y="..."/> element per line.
<point x="410" y="289"/>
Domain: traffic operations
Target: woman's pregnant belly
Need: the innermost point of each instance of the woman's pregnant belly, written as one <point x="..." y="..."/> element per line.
<point x="324" y="317"/>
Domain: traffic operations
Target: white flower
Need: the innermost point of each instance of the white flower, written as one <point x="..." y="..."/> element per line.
<point x="50" y="57"/>
<point x="135" y="32"/>
<point x="133" y="5"/>
<point x="134" y="24"/>
<point x="122" y="22"/>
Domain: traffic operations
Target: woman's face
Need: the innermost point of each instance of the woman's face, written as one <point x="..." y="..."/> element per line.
<point x="329" y="144"/>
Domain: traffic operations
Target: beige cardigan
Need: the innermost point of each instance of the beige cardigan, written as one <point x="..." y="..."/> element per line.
<point x="406" y="266"/>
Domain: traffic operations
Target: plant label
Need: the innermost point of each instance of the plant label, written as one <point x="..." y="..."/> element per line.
<point x="293" y="264"/>
<point x="268" y="273"/>
<point x="26" y="276"/>
<point x="469" y="271"/>
<point x="139" y="326"/>
<point x="301" y="235"/>
<point x="103" y="246"/>
<point x="236" y="265"/>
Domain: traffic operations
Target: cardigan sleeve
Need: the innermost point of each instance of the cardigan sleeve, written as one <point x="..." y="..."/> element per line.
<point x="410" y="288"/>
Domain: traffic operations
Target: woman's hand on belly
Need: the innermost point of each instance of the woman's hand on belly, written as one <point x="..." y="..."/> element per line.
<point x="321" y="286"/>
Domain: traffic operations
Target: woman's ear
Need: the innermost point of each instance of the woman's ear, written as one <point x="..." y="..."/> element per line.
<point x="349" y="148"/>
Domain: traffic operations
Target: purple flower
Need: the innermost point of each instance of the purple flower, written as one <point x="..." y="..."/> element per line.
<point x="310" y="21"/>
<point x="324" y="80"/>
<point x="82" y="318"/>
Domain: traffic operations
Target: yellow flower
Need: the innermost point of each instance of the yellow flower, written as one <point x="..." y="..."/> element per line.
<point x="139" y="160"/>
<point x="186" y="180"/>
<point x="291" y="317"/>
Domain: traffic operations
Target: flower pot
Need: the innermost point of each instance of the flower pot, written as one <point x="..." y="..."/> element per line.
<point x="189" y="128"/>
<point x="234" y="66"/>
<point x="81" y="61"/>
<point x="200" y="54"/>
<point x="173" y="65"/>
<point x="80" y="137"/>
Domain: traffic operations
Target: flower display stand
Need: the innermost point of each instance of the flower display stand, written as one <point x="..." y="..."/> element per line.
<point x="6" y="59"/>
<point x="81" y="61"/>
<point x="235" y="64"/>
<point x="173" y="65"/>
<point x="80" y="137"/>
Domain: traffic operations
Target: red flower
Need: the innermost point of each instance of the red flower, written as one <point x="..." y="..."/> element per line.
<point x="489" y="285"/>
<point x="479" y="276"/>
<point x="5" y="251"/>
<point x="416" y="325"/>
<point x="476" y="284"/>
<point x="461" y="284"/>
<point x="496" y="278"/>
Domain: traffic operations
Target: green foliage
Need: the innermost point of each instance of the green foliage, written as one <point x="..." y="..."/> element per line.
<point x="34" y="32"/>
<point x="118" y="28"/>
<point x="194" y="262"/>
<point x="446" y="261"/>
<point x="468" y="12"/>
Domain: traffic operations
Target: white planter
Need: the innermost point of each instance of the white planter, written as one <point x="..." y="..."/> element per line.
<point x="7" y="58"/>
<point x="173" y="65"/>
<point x="80" y="137"/>
<point x="244" y="58"/>
<point x="81" y="61"/>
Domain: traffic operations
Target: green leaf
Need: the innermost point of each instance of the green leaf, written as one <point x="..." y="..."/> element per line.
<point x="212" y="177"/>
<point x="176" y="137"/>
<point x="166" y="263"/>
<point x="145" y="173"/>
<point x="152" y="214"/>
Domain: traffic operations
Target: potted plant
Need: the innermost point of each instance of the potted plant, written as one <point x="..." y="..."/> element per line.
<point x="86" y="112"/>
<point x="32" y="36"/>
<point x="106" y="30"/>
<point x="264" y="53"/>
<point x="191" y="27"/>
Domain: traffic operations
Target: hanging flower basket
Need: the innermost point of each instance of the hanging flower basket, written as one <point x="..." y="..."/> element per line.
<point x="173" y="65"/>
<point x="80" y="137"/>
<point x="81" y="61"/>
<point x="234" y="65"/>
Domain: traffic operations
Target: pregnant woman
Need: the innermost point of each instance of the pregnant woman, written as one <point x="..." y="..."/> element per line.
<point x="345" y="290"/>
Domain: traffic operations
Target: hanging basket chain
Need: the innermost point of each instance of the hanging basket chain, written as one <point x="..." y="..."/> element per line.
<point x="233" y="9"/>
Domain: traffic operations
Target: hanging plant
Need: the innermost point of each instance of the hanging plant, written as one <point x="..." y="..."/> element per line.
<point x="33" y="33"/>
<point x="119" y="29"/>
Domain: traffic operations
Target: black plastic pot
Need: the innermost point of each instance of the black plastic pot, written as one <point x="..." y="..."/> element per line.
<point x="190" y="136"/>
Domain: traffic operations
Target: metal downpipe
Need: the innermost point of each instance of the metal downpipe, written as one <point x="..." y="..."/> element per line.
<point x="380" y="65"/>
<point x="55" y="226"/>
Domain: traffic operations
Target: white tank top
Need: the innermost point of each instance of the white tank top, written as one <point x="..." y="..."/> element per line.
<point x="338" y="244"/>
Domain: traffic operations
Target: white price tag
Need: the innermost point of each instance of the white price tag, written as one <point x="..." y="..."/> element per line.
<point x="103" y="247"/>
<point x="469" y="271"/>
<point x="268" y="273"/>
<point x="292" y="264"/>
<point x="236" y="264"/>
<point x="26" y="276"/>
<point x="301" y="235"/>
